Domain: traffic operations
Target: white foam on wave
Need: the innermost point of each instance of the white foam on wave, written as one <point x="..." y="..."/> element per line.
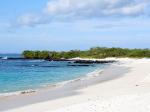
<point x="36" y="60"/>
<point x="95" y="73"/>
<point x="88" y="76"/>
<point x="17" y="93"/>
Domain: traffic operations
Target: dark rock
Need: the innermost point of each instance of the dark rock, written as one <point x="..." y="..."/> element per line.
<point x="91" y="61"/>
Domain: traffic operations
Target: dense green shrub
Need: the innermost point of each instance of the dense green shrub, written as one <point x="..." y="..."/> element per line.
<point x="96" y="52"/>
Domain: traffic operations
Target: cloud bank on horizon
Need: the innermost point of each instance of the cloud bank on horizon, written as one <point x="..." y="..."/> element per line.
<point x="59" y="10"/>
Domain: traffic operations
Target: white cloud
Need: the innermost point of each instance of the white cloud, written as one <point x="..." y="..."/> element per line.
<point x="130" y="10"/>
<point x="96" y="8"/>
<point x="27" y="19"/>
<point x="85" y="9"/>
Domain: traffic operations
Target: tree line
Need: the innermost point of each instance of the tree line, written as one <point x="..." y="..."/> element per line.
<point x="95" y="52"/>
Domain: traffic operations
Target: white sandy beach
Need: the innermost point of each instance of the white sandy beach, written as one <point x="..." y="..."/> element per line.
<point x="124" y="87"/>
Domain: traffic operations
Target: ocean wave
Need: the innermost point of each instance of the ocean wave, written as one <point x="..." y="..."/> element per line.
<point x="18" y="92"/>
<point x="88" y="76"/>
<point x="36" y="60"/>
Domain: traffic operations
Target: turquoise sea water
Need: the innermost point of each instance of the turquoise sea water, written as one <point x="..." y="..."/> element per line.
<point x="19" y="75"/>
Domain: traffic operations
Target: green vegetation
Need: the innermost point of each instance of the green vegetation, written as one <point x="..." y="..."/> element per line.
<point x="96" y="52"/>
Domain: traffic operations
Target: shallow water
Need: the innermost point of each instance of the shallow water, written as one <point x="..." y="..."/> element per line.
<point x="19" y="75"/>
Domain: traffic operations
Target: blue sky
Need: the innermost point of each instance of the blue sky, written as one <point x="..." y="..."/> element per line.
<point x="73" y="24"/>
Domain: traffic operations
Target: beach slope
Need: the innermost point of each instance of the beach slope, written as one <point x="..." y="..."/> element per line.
<point x="123" y="87"/>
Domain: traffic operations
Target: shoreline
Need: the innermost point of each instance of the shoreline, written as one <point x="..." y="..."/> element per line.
<point x="71" y="87"/>
<point x="54" y="85"/>
<point x="107" y="61"/>
<point x="128" y="77"/>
